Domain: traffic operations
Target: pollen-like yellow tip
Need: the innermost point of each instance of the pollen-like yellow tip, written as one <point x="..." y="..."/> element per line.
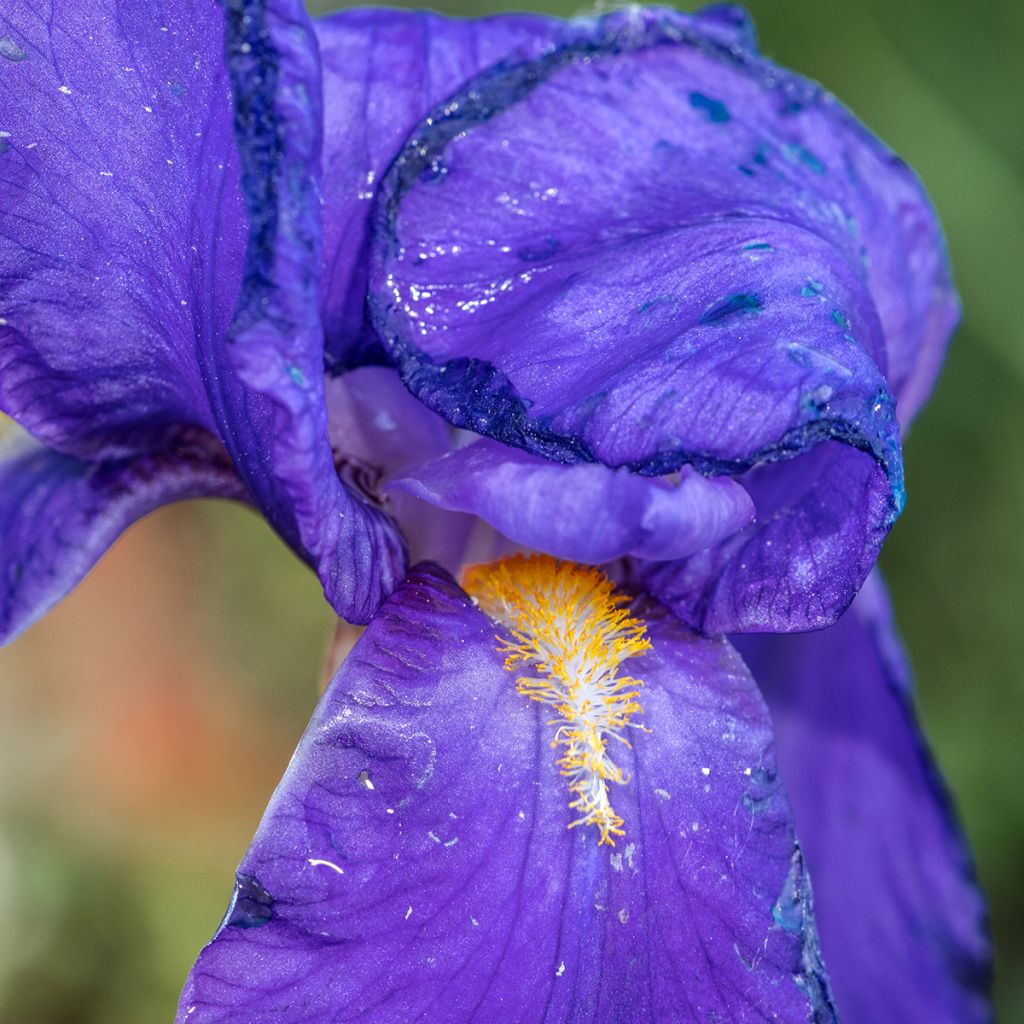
<point x="570" y="633"/>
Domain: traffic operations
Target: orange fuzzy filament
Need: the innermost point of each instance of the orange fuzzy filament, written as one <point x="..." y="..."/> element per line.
<point x="570" y="635"/>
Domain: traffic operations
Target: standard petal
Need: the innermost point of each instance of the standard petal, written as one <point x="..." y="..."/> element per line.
<point x="415" y="863"/>
<point x="58" y="515"/>
<point x="584" y="513"/>
<point x="903" y="924"/>
<point x="383" y="71"/>
<point x="649" y="248"/>
<point x="276" y="428"/>
<point x="159" y="246"/>
<point x="588" y="224"/>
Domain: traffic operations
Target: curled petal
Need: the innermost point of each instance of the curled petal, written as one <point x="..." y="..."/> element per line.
<point x="58" y="515"/>
<point x="584" y="513"/>
<point x="649" y="247"/>
<point x="874" y="817"/>
<point x="383" y="71"/>
<point x="415" y="863"/>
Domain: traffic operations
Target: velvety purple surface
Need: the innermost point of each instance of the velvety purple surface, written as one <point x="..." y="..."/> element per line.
<point x="584" y="513"/>
<point x="414" y="864"/>
<point x="277" y="429"/>
<point x="903" y="924"/>
<point x="58" y="515"/>
<point x="640" y="196"/>
<point x="159" y="254"/>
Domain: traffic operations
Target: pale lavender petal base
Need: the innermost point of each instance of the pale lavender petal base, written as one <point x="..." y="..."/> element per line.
<point x="584" y="513"/>
<point x="903" y="923"/>
<point x="415" y="864"/>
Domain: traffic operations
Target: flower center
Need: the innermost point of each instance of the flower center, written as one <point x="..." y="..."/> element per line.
<point x="570" y="635"/>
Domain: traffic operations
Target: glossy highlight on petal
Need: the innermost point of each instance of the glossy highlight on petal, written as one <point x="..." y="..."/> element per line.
<point x="383" y="70"/>
<point x="570" y="627"/>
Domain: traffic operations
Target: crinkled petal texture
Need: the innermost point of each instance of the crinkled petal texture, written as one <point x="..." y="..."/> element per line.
<point x="649" y="247"/>
<point x="58" y="514"/>
<point x="874" y="818"/>
<point x="159" y="245"/>
<point x="584" y="513"/>
<point x="415" y="862"/>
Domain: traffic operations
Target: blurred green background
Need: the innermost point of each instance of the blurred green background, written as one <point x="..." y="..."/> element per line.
<point x="144" y="724"/>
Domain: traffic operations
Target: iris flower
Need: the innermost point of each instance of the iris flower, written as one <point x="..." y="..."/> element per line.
<point x="546" y="296"/>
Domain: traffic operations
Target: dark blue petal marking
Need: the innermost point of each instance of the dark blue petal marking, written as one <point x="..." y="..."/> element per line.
<point x="731" y="305"/>
<point x="714" y="110"/>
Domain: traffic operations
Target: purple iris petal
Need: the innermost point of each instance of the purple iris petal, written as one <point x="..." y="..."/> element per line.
<point x="160" y="247"/>
<point x="874" y="817"/>
<point x="584" y="513"/>
<point x="384" y="70"/>
<point x="821" y="520"/>
<point x="650" y="248"/>
<point x="650" y="123"/>
<point x="58" y="514"/>
<point x="415" y="863"/>
<point x="122" y="227"/>
<point x="379" y="431"/>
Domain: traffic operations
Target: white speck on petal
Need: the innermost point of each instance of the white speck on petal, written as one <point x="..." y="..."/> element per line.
<point x="317" y="862"/>
<point x="561" y="970"/>
<point x="64" y="89"/>
<point x="408" y="913"/>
